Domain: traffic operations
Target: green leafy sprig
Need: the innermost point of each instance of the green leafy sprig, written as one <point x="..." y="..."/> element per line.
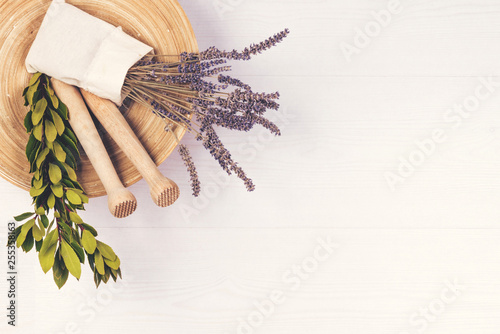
<point x="52" y="152"/>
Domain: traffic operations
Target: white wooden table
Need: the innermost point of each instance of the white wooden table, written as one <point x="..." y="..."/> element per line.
<point x="377" y="210"/>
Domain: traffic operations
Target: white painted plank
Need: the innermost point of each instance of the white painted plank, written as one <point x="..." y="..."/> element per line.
<point x="205" y="280"/>
<point x="426" y="38"/>
<point x="349" y="122"/>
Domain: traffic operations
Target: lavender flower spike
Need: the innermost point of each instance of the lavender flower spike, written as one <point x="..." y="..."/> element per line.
<point x="186" y="157"/>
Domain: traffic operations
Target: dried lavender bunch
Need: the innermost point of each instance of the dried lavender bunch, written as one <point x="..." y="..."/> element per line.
<point x="192" y="91"/>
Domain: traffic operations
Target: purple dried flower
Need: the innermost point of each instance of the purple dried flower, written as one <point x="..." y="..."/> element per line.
<point x="214" y="53"/>
<point x="241" y="174"/>
<point x="225" y="79"/>
<point x="188" y="162"/>
<point x="191" y="92"/>
<point x="273" y="128"/>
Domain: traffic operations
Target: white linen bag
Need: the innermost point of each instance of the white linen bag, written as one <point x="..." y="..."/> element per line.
<point x="82" y="50"/>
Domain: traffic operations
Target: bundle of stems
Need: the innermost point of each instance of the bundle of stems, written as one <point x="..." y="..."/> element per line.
<point x="191" y="90"/>
<point x="52" y="152"/>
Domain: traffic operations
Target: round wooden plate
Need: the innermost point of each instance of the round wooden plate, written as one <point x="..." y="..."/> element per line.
<point x="161" y="24"/>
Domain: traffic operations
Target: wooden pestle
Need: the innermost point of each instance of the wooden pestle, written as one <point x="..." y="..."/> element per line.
<point x="163" y="190"/>
<point x="121" y="201"/>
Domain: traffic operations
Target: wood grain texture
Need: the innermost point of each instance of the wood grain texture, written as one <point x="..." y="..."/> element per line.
<point x="121" y="202"/>
<point x="161" y="24"/>
<point x="201" y="265"/>
<point x="164" y="191"/>
<point x="192" y="280"/>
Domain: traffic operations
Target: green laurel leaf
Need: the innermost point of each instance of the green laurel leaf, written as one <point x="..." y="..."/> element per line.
<point x="51" y="201"/>
<point x="113" y="264"/>
<point x="23" y="216"/>
<point x="57" y="190"/>
<point x="25" y="228"/>
<point x="71" y="260"/>
<point x="50" y="131"/>
<point x="75" y="218"/>
<point x="34" y="78"/>
<point x="99" y="262"/>
<point x="54" y="173"/>
<point x="73" y="197"/>
<point x="58" y="122"/>
<point x="38" y="132"/>
<point x="88" y="242"/>
<point x="106" y="251"/>
<point x="59" y="152"/>
<point x="59" y="270"/>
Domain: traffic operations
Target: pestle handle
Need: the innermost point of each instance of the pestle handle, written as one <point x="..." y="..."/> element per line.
<point x="121" y="201"/>
<point x="164" y="191"/>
